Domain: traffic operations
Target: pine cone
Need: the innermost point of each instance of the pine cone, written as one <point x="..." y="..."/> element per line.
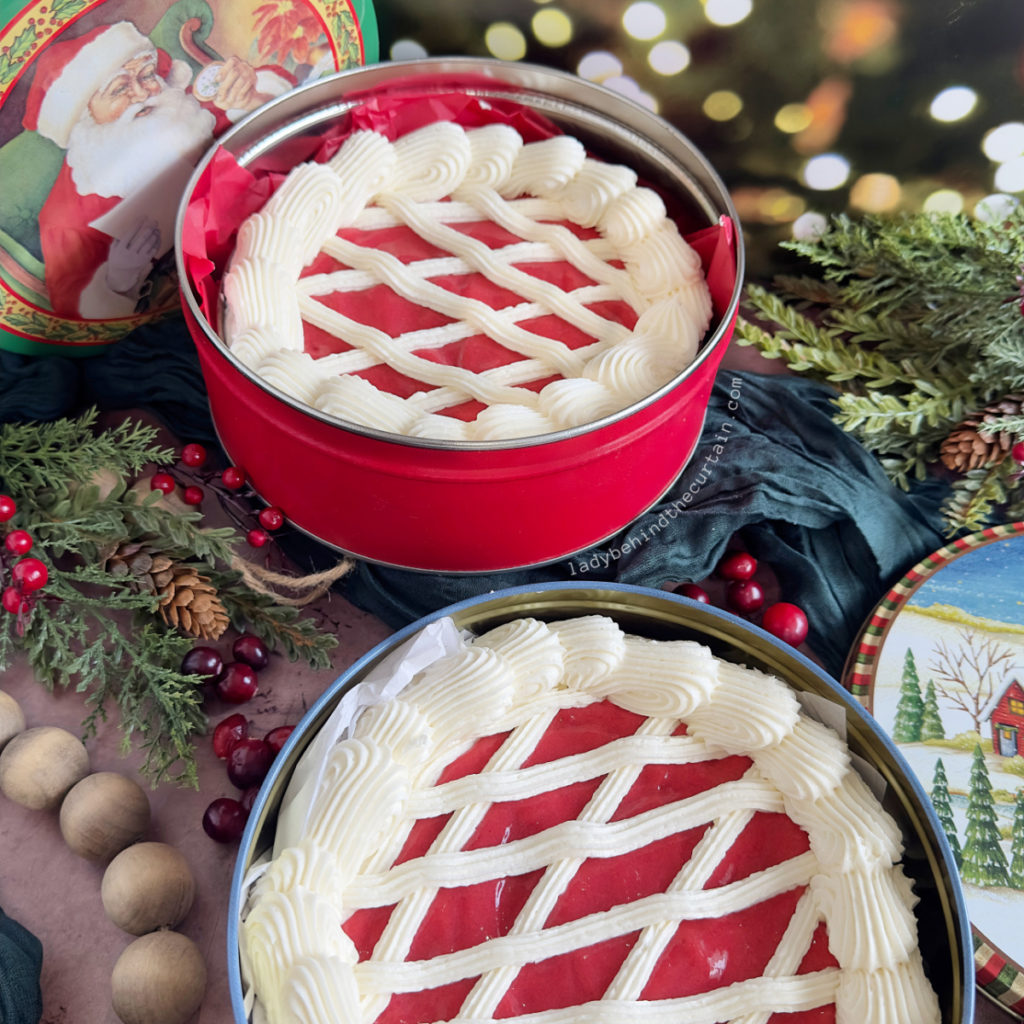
<point x="190" y="603"/>
<point x="149" y="570"/>
<point x="971" y="446"/>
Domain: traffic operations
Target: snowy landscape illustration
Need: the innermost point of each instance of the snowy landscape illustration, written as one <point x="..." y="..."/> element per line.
<point x="949" y="689"/>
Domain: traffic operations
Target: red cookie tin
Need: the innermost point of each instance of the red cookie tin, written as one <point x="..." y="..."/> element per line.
<point x="460" y="506"/>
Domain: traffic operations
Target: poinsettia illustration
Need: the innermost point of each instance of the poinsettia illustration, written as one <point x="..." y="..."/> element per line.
<point x="287" y="30"/>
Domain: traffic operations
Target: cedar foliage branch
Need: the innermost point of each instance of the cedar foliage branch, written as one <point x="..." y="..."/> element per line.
<point x="90" y="629"/>
<point x="916" y="321"/>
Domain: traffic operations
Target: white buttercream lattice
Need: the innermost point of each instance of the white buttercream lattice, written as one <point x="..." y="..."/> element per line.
<point x="512" y="683"/>
<point x="438" y="182"/>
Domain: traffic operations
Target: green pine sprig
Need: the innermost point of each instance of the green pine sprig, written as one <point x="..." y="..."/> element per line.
<point x="916" y="321"/>
<point x="97" y="632"/>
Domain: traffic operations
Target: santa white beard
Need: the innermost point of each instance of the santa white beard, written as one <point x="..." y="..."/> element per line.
<point x="124" y="156"/>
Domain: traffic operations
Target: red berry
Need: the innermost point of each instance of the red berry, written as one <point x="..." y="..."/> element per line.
<point x="7" y="508"/>
<point x="250" y="649"/>
<point x="18" y="542"/>
<point x="233" y="478"/>
<point x="786" y="621"/>
<point x="248" y="798"/>
<point x="227" y="732"/>
<point x="204" y="662"/>
<point x="744" y="596"/>
<point x="14" y="601"/>
<point x="238" y="683"/>
<point x="193" y="495"/>
<point x="258" y="538"/>
<point x="278" y="737"/>
<point x="162" y="482"/>
<point x="1017" y="452"/>
<point x="737" y="566"/>
<point x="193" y="455"/>
<point x="29" y="574"/>
<point x="224" y="820"/>
<point x="695" y="593"/>
<point x="271" y="518"/>
<point x="249" y="761"/>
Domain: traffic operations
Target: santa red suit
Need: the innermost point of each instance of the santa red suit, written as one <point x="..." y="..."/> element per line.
<point x="110" y="214"/>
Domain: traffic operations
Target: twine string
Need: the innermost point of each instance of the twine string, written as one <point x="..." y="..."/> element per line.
<point x="306" y="589"/>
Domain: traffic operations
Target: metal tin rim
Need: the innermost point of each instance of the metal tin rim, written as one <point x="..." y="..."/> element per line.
<point x="510" y="76"/>
<point x="653" y="607"/>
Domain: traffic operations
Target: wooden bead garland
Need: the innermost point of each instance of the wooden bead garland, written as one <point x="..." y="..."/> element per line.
<point x="147" y="888"/>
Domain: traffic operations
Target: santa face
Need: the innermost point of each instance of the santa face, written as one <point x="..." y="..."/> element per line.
<point x="143" y="128"/>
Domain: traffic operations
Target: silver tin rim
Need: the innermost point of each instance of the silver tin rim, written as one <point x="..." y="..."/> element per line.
<point x="551" y="92"/>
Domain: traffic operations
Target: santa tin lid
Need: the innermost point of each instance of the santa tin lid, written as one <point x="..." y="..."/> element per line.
<point x="105" y="108"/>
<point x="940" y="666"/>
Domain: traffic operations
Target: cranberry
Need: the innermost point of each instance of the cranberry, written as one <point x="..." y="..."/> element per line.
<point x="249" y="761"/>
<point x="737" y="566"/>
<point x="224" y="820"/>
<point x="248" y="798"/>
<point x="744" y="596"/>
<point x="204" y="662"/>
<point x="1017" y="452"/>
<point x="18" y="542"/>
<point x="162" y="482"/>
<point x="193" y="455"/>
<point x="251" y="650"/>
<point x="7" y="508"/>
<point x="278" y="737"/>
<point x="258" y="538"/>
<point x="271" y="518"/>
<point x="786" y="621"/>
<point x="228" y="732"/>
<point x="233" y="478"/>
<point x="14" y="601"/>
<point x="695" y="593"/>
<point x="193" y="495"/>
<point x="29" y="574"/>
<point x="238" y="683"/>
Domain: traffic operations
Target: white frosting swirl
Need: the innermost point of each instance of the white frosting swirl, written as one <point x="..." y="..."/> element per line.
<point x="894" y="994"/>
<point x="594" y="647"/>
<point x="431" y="162"/>
<point x="309" y="200"/>
<point x="355" y="399"/>
<point x="532" y="652"/>
<point x="588" y="193"/>
<point x="493" y="151"/>
<point x="259" y="297"/>
<point x="498" y="422"/>
<point x="543" y="168"/>
<point x="573" y="401"/>
<point x="292" y="373"/>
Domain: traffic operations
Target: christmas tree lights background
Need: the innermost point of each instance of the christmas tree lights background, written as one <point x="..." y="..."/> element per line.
<point x="805" y="107"/>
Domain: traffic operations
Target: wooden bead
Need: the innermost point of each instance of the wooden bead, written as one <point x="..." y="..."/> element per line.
<point x="147" y="886"/>
<point x="102" y="814"/>
<point x="40" y="765"/>
<point x="12" y="719"/>
<point x="158" y="979"/>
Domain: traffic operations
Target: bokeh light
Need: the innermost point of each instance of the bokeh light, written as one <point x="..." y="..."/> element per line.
<point x="810" y="226"/>
<point x="944" y="200"/>
<point x="552" y="27"/>
<point x="1005" y="142"/>
<point x="876" y="193"/>
<point x="599" y="65"/>
<point x="826" y="171"/>
<point x="727" y="12"/>
<point x="995" y="207"/>
<point x="630" y="88"/>
<point x="722" y="105"/>
<point x="953" y="104"/>
<point x="669" y="57"/>
<point x="407" y="49"/>
<point x="793" y="118"/>
<point x="1010" y="176"/>
<point x="644" y="20"/>
<point x="505" y="41"/>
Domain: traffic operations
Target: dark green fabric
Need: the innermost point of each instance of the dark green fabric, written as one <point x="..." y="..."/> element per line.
<point x="21" y="958"/>
<point x="772" y="466"/>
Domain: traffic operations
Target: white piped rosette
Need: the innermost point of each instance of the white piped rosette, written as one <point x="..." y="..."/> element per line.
<point x="370" y="772"/>
<point x="426" y="180"/>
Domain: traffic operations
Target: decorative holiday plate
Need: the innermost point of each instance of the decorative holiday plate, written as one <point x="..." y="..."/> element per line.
<point x="941" y="667"/>
<point x="91" y="188"/>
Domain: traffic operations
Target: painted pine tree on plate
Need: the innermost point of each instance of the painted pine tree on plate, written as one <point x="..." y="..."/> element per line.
<point x="910" y="710"/>
<point x="984" y="862"/>
<point x="944" y="810"/>
<point x="931" y="717"/>
<point x="1017" y="846"/>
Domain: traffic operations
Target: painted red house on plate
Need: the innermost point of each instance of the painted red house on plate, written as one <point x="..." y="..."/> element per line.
<point x="1007" y="718"/>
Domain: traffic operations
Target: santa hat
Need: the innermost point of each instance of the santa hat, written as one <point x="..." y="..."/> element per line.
<point x="69" y="73"/>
